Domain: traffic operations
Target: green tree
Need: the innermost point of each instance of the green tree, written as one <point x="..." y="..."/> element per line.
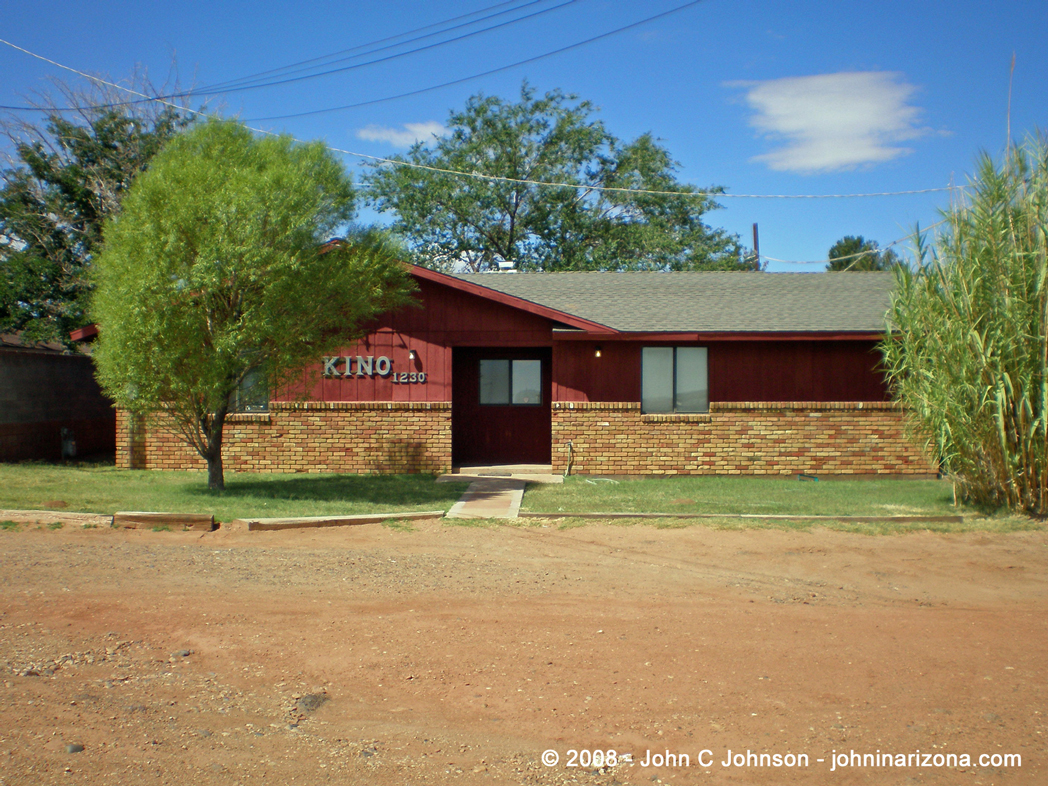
<point x="68" y="175"/>
<point x="451" y="221"/>
<point x="214" y="274"/>
<point x="969" y="353"/>
<point x="856" y="253"/>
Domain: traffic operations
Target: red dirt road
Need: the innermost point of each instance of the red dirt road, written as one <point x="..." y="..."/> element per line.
<point x="459" y="655"/>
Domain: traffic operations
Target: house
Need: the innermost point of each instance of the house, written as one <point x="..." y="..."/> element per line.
<point x="594" y="373"/>
<point x="50" y="404"/>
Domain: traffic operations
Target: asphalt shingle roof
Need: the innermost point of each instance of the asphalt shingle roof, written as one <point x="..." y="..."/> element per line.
<point x="707" y="301"/>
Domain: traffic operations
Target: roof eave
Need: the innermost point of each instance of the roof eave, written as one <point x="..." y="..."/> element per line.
<point x="726" y="335"/>
<point x="86" y="333"/>
<point x="576" y="322"/>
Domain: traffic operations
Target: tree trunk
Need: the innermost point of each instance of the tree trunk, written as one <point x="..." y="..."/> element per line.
<point x="215" y="477"/>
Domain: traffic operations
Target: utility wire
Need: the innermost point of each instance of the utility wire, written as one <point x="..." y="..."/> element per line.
<point x="477" y="175"/>
<point x="345" y="54"/>
<point x="852" y="256"/>
<point x="615" y="189"/>
<point x="484" y="73"/>
<point x="416" y="50"/>
<point x="473" y="175"/>
<point x="107" y="83"/>
<point x="272" y="83"/>
<point x="412" y="92"/>
<point x="252" y="77"/>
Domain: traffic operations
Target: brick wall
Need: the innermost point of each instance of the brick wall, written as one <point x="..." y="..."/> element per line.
<point x="744" y="438"/>
<point x="353" y="437"/>
<point x="610" y="438"/>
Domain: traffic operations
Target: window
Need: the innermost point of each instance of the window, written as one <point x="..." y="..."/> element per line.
<point x="673" y="379"/>
<point x="511" y="382"/>
<point x="252" y="395"/>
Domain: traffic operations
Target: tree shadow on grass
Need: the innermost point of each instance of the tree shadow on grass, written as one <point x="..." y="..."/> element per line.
<point x="377" y="489"/>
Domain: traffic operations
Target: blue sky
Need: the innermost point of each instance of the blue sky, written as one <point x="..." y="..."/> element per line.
<point x="761" y="97"/>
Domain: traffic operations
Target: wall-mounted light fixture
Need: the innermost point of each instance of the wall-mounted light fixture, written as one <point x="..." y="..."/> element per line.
<point x="412" y="355"/>
<point x="596" y="352"/>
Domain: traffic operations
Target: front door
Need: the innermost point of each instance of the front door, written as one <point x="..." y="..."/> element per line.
<point x="500" y="411"/>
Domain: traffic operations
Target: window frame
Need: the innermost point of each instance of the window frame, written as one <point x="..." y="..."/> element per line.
<point x="509" y="384"/>
<point x="673" y="410"/>
<point x="245" y="399"/>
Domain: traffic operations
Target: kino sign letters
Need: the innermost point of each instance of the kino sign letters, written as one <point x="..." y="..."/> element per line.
<point x="370" y="366"/>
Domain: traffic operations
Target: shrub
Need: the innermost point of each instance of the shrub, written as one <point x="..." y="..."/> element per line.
<point x="969" y="349"/>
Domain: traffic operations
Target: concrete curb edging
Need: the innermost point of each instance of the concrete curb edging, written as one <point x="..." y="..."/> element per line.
<point x="486" y="498"/>
<point x="51" y="516"/>
<point x="255" y="524"/>
<point x="137" y="519"/>
<point x="946" y="519"/>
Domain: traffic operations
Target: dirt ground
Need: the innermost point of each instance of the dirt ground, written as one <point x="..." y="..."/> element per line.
<point x="460" y="655"/>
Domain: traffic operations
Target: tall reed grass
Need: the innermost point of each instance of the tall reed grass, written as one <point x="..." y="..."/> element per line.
<point x="969" y="349"/>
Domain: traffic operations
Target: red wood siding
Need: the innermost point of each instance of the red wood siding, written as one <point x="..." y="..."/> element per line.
<point x="578" y="375"/>
<point x="738" y="371"/>
<point x="743" y="370"/>
<point x="795" y="371"/>
<point x="445" y="318"/>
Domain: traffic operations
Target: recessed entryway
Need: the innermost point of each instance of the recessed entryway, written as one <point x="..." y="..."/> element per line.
<point x="501" y="411"/>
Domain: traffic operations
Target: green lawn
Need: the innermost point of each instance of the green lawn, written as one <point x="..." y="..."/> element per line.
<point x="744" y="495"/>
<point x="100" y="488"/>
<point x="97" y="488"/>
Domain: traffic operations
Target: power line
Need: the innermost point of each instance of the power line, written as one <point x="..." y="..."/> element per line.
<point x="614" y="189"/>
<point x="360" y="65"/>
<point x="254" y="77"/>
<point x="479" y="175"/>
<point x="99" y="80"/>
<point x="484" y="73"/>
<point x="416" y="50"/>
<point x="235" y="89"/>
<point x="857" y="254"/>
<point x="828" y="196"/>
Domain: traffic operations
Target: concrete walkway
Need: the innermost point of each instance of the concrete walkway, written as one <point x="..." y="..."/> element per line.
<point x="496" y="491"/>
<point x="489" y="498"/>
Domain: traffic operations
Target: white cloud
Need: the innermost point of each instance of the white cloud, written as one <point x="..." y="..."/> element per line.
<point x="832" y="122"/>
<point x="406" y="136"/>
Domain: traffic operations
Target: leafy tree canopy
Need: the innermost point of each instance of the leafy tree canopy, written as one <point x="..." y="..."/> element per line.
<point x="215" y="272"/>
<point x="969" y="356"/>
<point x="453" y="221"/>
<point x="66" y="177"/>
<point x="856" y="253"/>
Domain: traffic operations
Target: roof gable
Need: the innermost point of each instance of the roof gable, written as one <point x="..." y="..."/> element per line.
<point x="539" y="309"/>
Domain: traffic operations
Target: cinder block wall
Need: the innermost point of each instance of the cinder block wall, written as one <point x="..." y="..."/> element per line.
<point x="353" y="437"/>
<point x="745" y="438"/>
